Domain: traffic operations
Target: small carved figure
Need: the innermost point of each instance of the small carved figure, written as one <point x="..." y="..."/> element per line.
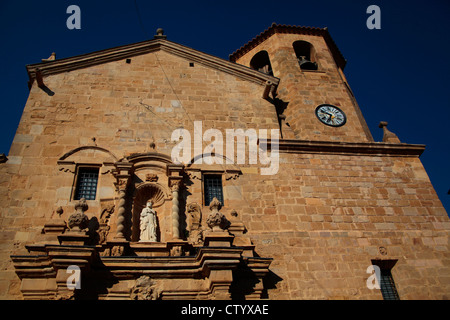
<point x="148" y="223"/>
<point x="145" y="289"/>
<point x="152" y="177"/>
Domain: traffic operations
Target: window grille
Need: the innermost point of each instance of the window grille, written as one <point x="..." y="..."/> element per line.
<point x="387" y="286"/>
<point x="86" y="183"/>
<point x="212" y="188"/>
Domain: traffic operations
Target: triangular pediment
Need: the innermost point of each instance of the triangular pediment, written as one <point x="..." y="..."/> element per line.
<point x="127" y="51"/>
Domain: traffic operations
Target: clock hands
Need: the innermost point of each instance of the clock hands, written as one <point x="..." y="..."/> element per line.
<point x="330" y="115"/>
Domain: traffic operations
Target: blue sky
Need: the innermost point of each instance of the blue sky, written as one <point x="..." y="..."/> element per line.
<point x="399" y="74"/>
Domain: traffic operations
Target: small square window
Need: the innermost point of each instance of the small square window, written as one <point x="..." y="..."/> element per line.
<point x="86" y="183"/>
<point x="212" y="186"/>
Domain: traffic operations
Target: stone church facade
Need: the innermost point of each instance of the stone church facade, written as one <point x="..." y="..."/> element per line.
<point x="95" y="144"/>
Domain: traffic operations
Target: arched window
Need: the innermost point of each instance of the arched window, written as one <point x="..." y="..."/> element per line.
<point x="304" y="51"/>
<point x="261" y="62"/>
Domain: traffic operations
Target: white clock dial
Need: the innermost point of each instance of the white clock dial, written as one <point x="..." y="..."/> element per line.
<point x="331" y="115"/>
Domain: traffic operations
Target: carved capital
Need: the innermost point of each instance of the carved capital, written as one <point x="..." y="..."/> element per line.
<point x="122" y="173"/>
<point x="121" y="184"/>
<point x="175" y="184"/>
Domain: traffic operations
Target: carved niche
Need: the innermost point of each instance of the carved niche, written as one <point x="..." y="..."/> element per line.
<point x="146" y="191"/>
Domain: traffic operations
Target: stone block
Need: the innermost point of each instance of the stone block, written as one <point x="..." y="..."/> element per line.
<point x="322" y="217"/>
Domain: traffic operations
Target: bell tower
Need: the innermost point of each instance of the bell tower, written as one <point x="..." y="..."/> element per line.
<point x="313" y="101"/>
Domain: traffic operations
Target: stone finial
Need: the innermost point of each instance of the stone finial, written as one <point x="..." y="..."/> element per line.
<point x="215" y="205"/>
<point x="78" y="221"/>
<point x="160" y="34"/>
<point x="388" y="136"/>
<point x="51" y="58"/>
<point x="216" y="220"/>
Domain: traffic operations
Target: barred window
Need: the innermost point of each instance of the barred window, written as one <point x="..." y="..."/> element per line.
<point x="387" y="285"/>
<point x="86" y="183"/>
<point x="212" y="185"/>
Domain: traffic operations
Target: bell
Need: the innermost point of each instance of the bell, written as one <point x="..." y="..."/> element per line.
<point x="306" y="64"/>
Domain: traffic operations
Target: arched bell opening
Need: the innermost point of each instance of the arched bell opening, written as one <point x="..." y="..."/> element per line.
<point x="261" y="62"/>
<point x="306" y="56"/>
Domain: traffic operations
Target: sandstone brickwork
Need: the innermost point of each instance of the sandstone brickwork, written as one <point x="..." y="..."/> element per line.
<point x="339" y="202"/>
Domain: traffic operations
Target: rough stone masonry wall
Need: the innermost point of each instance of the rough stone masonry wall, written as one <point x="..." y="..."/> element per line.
<point x="125" y="107"/>
<point x="324" y="217"/>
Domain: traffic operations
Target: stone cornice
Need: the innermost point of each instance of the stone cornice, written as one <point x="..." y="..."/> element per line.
<point x="44" y="69"/>
<point x="349" y="148"/>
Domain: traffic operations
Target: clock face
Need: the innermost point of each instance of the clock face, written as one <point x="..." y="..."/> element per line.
<point x="331" y="115"/>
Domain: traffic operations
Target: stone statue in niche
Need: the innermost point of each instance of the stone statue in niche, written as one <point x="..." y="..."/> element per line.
<point x="148" y="223"/>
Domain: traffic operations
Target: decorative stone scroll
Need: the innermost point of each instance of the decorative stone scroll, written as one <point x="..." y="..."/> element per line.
<point x="194" y="218"/>
<point x="104" y="228"/>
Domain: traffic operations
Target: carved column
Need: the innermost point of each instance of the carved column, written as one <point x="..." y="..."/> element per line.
<point x="175" y="186"/>
<point x="122" y="174"/>
<point x="120" y="210"/>
<point x="174" y="173"/>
